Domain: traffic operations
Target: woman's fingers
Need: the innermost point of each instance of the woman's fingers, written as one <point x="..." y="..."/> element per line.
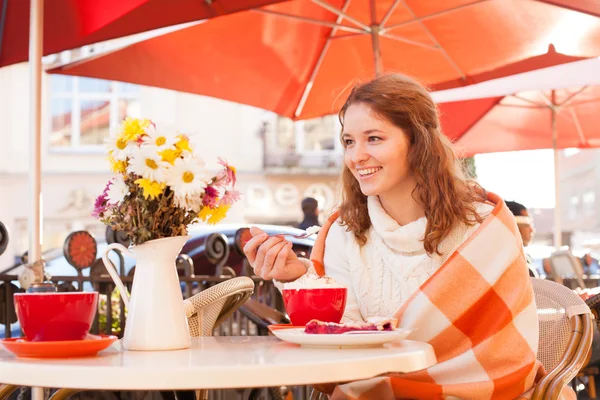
<point x="280" y="260"/>
<point x="251" y="247"/>
<point x="262" y="252"/>
<point x="270" y="257"/>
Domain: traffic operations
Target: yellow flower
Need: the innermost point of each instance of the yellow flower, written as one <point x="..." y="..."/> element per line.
<point x="218" y="214"/>
<point x="133" y="128"/>
<point x="169" y="155"/>
<point x="151" y="189"/>
<point x="183" y="143"/>
<point x="117" y="166"/>
<point x="205" y="213"/>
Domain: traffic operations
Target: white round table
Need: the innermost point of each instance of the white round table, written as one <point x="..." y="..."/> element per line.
<point x="215" y="363"/>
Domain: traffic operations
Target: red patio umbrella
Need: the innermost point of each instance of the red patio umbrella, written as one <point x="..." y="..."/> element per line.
<point x="74" y="23"/>
<point x="296" y="58"/>
<point x="27" y="26"/>
<point x="562" y="113"/>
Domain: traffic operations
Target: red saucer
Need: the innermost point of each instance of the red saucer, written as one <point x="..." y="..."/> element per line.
<point x="89" y="346"/>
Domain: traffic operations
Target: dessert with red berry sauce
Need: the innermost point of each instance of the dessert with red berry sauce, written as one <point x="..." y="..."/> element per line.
<point x="329" y="328"/>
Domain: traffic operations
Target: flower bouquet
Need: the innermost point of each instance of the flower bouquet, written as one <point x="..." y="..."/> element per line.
<point x="161" y="185"/>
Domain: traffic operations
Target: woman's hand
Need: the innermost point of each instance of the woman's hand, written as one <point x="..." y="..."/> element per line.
<point x="273" y="257"/>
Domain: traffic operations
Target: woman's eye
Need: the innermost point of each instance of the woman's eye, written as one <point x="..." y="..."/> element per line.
<point x="374" y="138"/>
<point x="348" y="142"/>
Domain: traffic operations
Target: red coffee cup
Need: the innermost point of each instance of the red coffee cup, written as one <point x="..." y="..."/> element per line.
<point x="56" y="316"/>
<point x="326" y="304"/>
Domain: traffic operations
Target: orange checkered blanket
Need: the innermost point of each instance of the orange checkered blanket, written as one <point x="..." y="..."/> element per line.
<point x="477" y="311"/>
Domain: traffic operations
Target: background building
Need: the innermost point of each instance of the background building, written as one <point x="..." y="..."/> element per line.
<point x="278" y="162"/>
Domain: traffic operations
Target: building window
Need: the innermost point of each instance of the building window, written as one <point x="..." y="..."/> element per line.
<point x="84" y="111"/>
<point x="573" y="207"/>
<point x="310" y="136"/>
<point x="589" y="198"/>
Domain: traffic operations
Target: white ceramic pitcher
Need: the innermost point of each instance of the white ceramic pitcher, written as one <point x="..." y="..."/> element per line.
<point x="156" y="317"/>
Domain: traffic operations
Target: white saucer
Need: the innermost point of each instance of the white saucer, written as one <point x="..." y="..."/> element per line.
<point x="298" y="336"/>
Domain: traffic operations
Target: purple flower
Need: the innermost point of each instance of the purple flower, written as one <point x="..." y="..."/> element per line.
<point x="211" y="196"/>
<point x="101" y="203"/>
<point x="230" y="197"/>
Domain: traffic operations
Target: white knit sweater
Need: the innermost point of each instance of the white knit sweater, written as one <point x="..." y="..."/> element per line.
<point x="391" y="266"/>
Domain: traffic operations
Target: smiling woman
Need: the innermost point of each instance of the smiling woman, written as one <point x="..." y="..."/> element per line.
<point x="409" y="224"/>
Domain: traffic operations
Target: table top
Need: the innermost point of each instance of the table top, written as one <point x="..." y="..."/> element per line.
<point x="216" y="363"/>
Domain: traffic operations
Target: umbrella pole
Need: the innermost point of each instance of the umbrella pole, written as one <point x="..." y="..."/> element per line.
<point x="36" y="27"/>
<point x="375" y="28"/>
<point x="557" y="208"/>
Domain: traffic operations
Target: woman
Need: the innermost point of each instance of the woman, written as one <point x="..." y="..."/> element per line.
<point x="416" y="240"/>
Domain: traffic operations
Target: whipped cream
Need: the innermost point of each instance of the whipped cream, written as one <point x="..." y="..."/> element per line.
<point x="313" y="281"/>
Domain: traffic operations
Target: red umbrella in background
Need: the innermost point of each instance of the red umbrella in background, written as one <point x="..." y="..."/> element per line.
<point x="552" y="108"/>
<point x="297" y="57"/>
<point x="74" y="23"/>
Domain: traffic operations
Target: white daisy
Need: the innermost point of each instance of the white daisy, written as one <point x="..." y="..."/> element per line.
<point x="147" y="163"/>
<point x="187" y="178"/>
<point x="117" y="190"/>
<point x="159" y="137"/>
<point x="119" y="148"/>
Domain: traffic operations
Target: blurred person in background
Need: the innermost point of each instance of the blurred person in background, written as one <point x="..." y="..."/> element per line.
<point x="525" y="225"/>
<point x="310" y="209"/>
<point x="589" y="264"/>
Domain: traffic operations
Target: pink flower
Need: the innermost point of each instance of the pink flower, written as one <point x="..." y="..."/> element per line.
<point x="211" y="196"/>
<point x="228" y="175"/>
<point x="101" y="203"/>
<point x="230" y="197"/>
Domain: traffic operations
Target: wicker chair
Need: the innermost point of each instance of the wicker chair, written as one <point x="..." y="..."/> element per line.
<point x="205" y="311"/>
<point x="566" y="331"/>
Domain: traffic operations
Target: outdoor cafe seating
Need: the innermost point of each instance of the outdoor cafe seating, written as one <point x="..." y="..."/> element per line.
<point x="565" y="321"/>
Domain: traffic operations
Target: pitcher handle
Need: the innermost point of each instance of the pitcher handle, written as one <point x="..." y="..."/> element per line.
<point x="113" y="272"/>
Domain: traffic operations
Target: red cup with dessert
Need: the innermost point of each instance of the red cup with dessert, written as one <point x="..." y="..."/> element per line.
<point x="313" y="297"/>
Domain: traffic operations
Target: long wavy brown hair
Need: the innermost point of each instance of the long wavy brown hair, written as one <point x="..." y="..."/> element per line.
<point x="442" y="188"/>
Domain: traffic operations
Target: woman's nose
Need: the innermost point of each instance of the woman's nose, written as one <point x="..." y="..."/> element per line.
<point x="359" y="154"/>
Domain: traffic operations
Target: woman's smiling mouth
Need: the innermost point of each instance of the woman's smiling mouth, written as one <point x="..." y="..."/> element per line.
<point x="367" y="172"/>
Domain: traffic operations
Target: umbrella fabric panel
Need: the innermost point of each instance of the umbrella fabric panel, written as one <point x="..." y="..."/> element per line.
<point x="73" y="23"/>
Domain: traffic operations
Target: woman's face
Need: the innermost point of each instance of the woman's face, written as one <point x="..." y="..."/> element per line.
<point x="376" y="153"/>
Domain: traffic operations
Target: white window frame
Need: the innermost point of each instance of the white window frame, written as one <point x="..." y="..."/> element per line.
<point x="300" y="136"/>
<point x="76" y="97"/>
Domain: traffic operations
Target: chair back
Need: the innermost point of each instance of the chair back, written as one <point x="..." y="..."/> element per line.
<point x="565" y="336"/>
<point x="209" y="308"/>
<point x="565" y="265"/>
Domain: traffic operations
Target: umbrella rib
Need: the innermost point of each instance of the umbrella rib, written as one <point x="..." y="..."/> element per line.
<point x="516" y="96"/>
<point x="409" y="41"/>
<point x="572" y="96"/>
<point x="313" y="75"/>
<point x="579" y="103"/>
<point x="522" y="106"/>
<point x="312" y="21"/>
<point x="432" y="15"/>
<point x="2" y="23"/>
<point x="349" y="35"/>
<point x="454" y="65"/>
<point x="578" y="128"/>
<point x="388" y="14"/>
<point x="342" y="14"/>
